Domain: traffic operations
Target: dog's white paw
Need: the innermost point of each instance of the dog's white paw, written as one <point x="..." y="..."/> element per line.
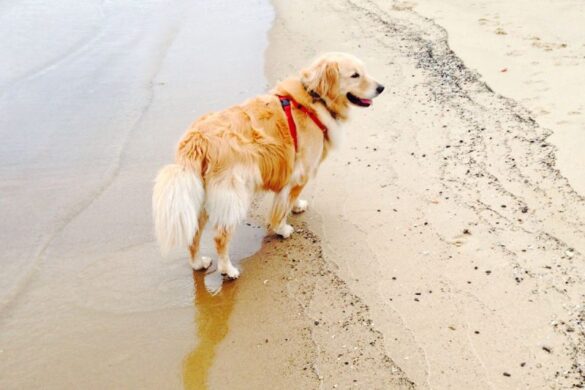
<point x="228" y="271"/>
<point x="300" y="206"/>
<point x="201" y="262"/>
<point x="284" y="230"/>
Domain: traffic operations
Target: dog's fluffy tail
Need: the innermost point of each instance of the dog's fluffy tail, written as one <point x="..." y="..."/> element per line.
<point x="177" y="200"/>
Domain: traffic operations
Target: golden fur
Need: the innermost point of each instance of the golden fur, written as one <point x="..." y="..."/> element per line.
<point x="227" y="156"/>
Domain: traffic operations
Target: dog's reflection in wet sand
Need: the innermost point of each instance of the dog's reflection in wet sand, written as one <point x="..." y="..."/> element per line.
<point x="214" y="303"/>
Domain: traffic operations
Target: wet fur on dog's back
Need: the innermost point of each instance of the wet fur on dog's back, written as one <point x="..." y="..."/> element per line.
<point x="226" y="157"/>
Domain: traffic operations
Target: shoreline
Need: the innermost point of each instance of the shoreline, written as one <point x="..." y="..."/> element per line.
<point x="530" y="57"/>
<point x="460" y="225"/>
<point x="442" y="248"/>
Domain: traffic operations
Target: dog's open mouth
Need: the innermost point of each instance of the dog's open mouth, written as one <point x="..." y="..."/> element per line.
<point x="359" y="101"/>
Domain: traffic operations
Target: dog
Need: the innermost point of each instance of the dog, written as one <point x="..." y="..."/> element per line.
<point x="273" y="142"/>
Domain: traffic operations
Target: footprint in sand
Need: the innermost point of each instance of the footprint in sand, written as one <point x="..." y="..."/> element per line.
<point x="546" y="46"/>
<point x="404" y="6"/>
<point x="514" y="53"/>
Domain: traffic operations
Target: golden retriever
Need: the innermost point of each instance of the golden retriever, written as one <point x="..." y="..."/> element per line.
<point x="226" y="157"/>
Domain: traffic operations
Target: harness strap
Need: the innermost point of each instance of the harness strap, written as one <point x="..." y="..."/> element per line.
<point x="286" y="102"/>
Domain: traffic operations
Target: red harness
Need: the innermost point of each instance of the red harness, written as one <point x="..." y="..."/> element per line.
<point x="286" y="102"/>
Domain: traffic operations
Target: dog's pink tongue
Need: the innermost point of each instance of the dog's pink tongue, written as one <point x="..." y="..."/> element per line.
<point x="367" y="101"/>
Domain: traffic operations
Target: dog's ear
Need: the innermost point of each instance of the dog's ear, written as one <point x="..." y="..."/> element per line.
<point x="323" y="78"/>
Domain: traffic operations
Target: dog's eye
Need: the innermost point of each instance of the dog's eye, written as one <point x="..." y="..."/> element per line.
<point x="355" y="75"/>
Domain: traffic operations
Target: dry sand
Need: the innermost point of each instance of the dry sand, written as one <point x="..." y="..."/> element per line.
<point x="446" y="212"/>
<point x="530" y="51"/>
<point x="442" y="249"/>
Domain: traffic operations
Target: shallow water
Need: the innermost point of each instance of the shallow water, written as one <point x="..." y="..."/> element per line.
<point x="93" y="98"/>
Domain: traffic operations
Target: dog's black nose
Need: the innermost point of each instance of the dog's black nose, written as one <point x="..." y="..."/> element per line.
<point x="380" y="88"/>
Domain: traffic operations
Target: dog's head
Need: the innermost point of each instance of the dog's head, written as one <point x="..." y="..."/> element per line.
<point x="341" y="78"/>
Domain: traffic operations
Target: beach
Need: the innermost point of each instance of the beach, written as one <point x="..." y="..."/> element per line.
<point x="443" y="245"/>
<point x="447" y="212"/>
<point x="463" y="236"/>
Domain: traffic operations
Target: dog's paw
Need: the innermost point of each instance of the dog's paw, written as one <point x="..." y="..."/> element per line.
<point x="200" y="263"/>
<point x="229" y="272"/>
<point x="300" y="206"/>
<point x="284" y="231"/>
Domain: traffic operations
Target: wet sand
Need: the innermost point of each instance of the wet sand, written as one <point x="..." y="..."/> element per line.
<point x="442" y="247"/>
<point x="93" y="100"/>
<point x="295" y="324"/>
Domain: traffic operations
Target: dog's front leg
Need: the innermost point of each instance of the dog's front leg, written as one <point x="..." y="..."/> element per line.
<point x="281" y="207"/>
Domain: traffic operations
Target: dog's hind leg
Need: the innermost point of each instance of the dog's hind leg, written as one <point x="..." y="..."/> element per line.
<point x="199" y="262"/>
<point x="222" y="239"/>
<point x="227" y="204"/>
<point x="283" y="203"/>
<point x="300" y="206"/>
